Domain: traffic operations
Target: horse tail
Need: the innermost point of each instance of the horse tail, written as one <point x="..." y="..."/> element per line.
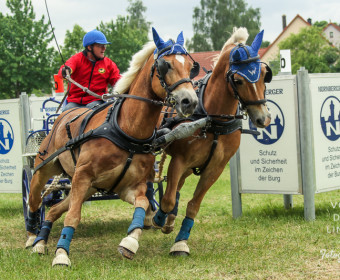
<point x="158" y="176"/>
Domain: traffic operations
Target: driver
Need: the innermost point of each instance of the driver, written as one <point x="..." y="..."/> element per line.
<point x="91" y="69"/>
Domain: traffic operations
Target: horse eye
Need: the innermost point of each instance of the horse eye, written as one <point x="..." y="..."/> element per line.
<point x="239" y="82"/>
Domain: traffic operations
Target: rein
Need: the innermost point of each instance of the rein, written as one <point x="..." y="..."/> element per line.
<point x="106" y="97"/>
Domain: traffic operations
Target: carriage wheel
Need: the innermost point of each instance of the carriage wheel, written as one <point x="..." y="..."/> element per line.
<point x="26" y="183"/>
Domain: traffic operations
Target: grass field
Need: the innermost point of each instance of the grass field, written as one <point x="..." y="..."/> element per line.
<point x="267" y="242"/>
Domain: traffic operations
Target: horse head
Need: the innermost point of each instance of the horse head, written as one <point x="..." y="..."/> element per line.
<point x="171" y="74"/>
<point x="247" y="77"/>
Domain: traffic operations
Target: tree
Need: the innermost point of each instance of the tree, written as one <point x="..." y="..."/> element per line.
<point x="25" y="58"/>
<point x="73" y="42"/>
<point x="128" y="34"/>
<point x="311" y="50"/>
<point x="214" y="20"/>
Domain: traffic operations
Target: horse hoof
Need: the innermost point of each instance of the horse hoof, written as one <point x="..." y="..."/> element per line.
<point x="128" y="247"/>
<point x="180" y="248"/>
<point x="167" y="229"/>
<point x="179" y="254"/>
<point x="154" y="225"/>
<point x="126" y="253"/>
<point x="61" y="258"/>
<point x="147" y="227"/>
<point x="40" y="248"/>
<point x="30" y="241"/>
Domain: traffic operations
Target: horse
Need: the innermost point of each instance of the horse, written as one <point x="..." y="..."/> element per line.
<point x="109" y="149"/>
<point x="238" y="76"/>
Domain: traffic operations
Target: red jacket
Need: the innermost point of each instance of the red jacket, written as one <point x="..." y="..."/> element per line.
<point x="94" y="75"/>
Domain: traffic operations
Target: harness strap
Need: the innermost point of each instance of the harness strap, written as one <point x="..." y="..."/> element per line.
<point x="126" y="167"/>
<point x="198" y="171"/>
<point x="71" y="144"/>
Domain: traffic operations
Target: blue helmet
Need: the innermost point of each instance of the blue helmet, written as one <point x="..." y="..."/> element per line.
<point x="94" y="36"/>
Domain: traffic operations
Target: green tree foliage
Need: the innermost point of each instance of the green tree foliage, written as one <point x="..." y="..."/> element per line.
<point x="127" y="34"/>
<point x="321" y="24"/>
<point x="214" y="20"/>
<point x="73" y="42"/>
<point x="25" y="58"/>
<point x="311" y="50"/>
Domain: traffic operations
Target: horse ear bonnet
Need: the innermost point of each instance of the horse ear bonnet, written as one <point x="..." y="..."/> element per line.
<point x="245" y="60"/>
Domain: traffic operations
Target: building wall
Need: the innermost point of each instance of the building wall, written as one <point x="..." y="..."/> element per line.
<point x="336" y="35"/>
<point x="294" y="27"/>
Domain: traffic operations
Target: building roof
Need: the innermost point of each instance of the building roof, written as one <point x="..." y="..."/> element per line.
<point x="283" y="31"/>
<point x="206" y="60"/>
<point x="332" y="24"/>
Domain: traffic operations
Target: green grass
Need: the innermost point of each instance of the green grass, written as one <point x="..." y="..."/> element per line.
<point x="267" y="242"/>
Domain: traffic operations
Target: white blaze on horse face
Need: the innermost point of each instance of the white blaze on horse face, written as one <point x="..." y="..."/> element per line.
<point x="180" y="58"/>
<point x="254" y="85"/>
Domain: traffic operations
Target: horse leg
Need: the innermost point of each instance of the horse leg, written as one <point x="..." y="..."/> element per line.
<point x="38" y="183"/>
<point x="207" y="179"/>
<point x="175" y="171"/>
<point x="129" y="245"/>
<point x="40" y="243"/>
<point x="150" y="212"/>
<point x="81" y="183"/>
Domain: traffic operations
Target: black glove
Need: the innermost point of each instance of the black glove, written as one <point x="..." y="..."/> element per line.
<point x="66" y="70"/>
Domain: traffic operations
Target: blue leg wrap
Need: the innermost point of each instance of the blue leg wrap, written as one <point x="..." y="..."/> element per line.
<point x="160" y="218"/>
<point x="175" y="210"/>
<point x="33" y="222"/>
<point x="65" y="239"/>
<point x="149" y="194"/>
<point x="138" y="219"/>
<point x="44" y="232"/>
<point x="184" y="233"/>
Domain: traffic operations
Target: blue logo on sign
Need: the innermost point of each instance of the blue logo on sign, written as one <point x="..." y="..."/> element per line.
<point x="6" y="137"/>
<point x="330" y="118"/>
<point x="274" y="130"/>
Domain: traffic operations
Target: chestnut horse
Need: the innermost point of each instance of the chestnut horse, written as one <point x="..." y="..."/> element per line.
<point x="120" y="163"/>
<point x="238" y="77"/>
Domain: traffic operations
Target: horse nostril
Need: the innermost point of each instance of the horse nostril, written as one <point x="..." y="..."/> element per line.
<point x="185" y="102"/>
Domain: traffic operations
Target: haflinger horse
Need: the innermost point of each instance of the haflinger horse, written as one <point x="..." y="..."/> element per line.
<point x="237" y="77"/>
<point x="109" y="149"/>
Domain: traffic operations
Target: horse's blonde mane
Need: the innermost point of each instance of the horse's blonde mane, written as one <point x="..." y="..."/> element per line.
<point x="137" y="62"/>
<point x="240" y="35"/>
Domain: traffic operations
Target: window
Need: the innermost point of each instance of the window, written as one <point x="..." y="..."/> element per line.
<point x="331" y="34"/>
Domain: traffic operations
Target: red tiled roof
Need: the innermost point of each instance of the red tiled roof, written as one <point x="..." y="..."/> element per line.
<point x="332" y="24"/>
<point x="206" y="60"/>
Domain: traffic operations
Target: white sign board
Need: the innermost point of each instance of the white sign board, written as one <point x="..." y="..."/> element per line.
<point x="285" y="61"/>
<point x="269" y="163"/>
<point x="325" y="92"/>
<point x="10" y="146"/>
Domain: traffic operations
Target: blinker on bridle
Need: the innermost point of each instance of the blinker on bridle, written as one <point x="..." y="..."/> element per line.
<point x="162" y="67"/>
<point x="230" y="78"/>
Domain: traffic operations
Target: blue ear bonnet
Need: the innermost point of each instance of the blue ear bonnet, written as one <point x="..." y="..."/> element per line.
<point x="245" y="60"/>
<point x="168" y="47"/>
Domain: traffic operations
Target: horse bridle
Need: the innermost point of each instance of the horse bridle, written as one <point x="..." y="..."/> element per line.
<point x="230" y="78"/>
<point x="162" y="67"/>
